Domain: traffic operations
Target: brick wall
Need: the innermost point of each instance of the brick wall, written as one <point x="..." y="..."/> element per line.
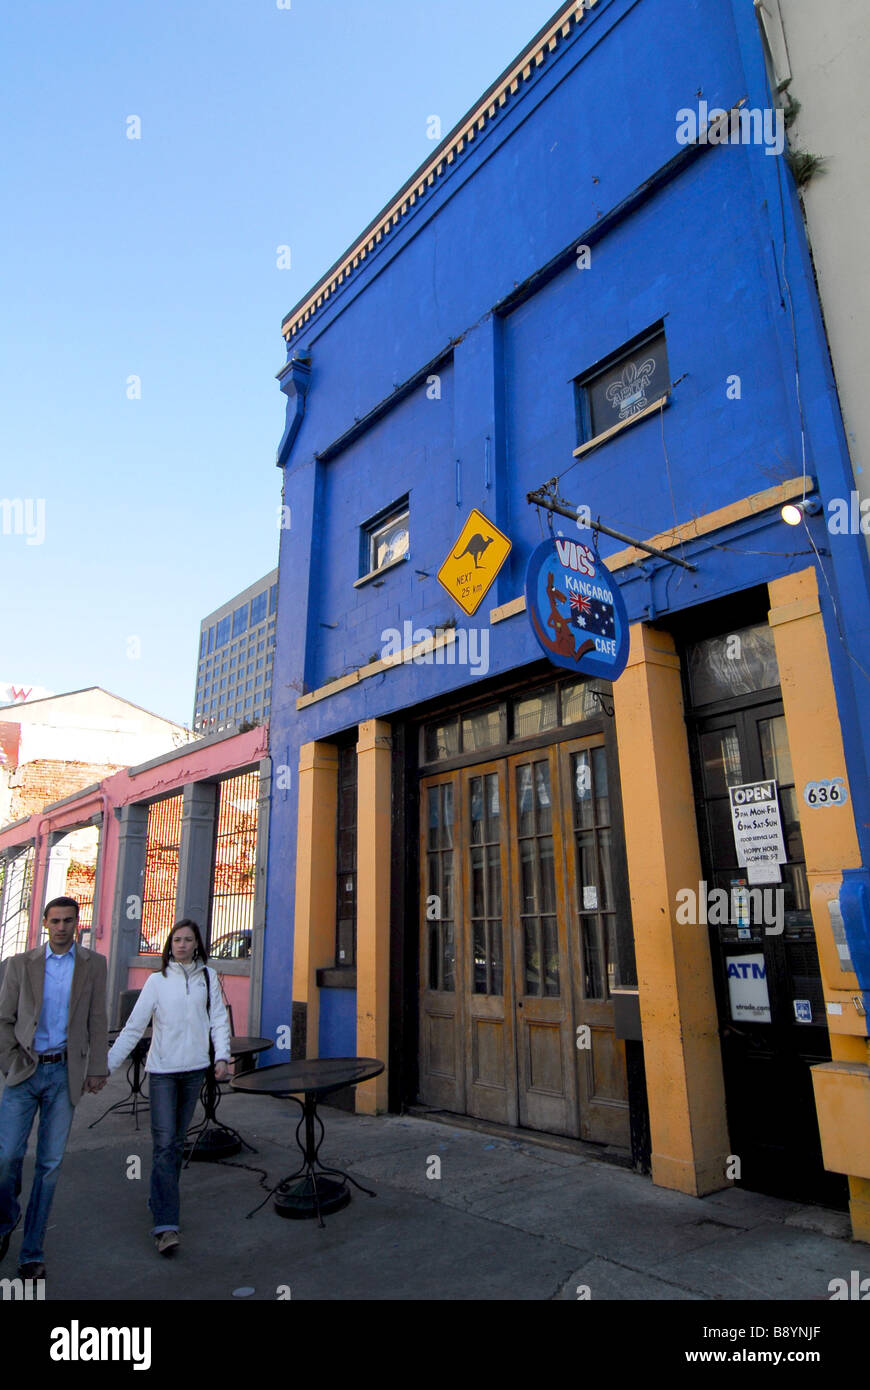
<point x="37" y="784"/>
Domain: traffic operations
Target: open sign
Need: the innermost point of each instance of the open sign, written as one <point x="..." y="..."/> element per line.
<point x="752" y="792"/>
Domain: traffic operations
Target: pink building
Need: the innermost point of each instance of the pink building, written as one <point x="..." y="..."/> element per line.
<point x="183" y="835"/>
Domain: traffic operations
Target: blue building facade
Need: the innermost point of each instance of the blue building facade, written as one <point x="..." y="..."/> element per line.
<point x="478" y="865"/>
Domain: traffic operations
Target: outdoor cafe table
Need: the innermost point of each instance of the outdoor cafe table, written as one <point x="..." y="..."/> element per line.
<point x="312" y="1079"/>
<point x="210" y="1140"/>
<point x="136" y="1098"/>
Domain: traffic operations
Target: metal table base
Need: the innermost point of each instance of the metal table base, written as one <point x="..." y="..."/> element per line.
<point x="317" y="1193"/>
<point x="138" y="1098"/>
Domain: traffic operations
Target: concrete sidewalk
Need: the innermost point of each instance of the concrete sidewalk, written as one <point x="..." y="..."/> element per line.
<point x="507" y="1219"/>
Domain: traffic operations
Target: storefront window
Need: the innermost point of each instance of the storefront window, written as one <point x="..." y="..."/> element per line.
<point x="580" y="700"/>
<point x="483" y="729"/>
<point x="535" y="714"/>
<point x="442" y="740"/>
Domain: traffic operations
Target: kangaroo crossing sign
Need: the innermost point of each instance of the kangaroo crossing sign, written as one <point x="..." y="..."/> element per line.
<point x="473" y="562"/>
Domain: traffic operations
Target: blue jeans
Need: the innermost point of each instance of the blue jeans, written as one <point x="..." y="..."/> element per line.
<point x="173" y="1101"/>
<point x="47" y="1091"/>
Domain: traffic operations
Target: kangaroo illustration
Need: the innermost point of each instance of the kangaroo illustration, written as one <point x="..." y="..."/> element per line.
<point x="564" y="637"/>
<point x="476" y="546"/>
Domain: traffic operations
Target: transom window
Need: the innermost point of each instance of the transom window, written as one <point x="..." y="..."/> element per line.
<point x="735" y="663"/>
<point x="525" y="716"/>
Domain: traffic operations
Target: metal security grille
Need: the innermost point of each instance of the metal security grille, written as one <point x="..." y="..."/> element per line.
<point x="84" y="896"/>
<point x="159" y="890"/>
<point x="17" y="884"/>
<point x="235" y="868"/>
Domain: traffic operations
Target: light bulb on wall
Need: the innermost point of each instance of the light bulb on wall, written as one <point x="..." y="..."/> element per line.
<point x="793" y="512"/>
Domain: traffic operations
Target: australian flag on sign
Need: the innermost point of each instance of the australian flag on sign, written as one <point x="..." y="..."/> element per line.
<point x="592" y="615"/>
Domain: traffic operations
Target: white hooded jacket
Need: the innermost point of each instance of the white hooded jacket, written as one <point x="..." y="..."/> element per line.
<point x="176" y="1003"/>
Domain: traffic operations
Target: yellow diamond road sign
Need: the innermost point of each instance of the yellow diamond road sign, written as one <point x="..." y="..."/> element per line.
<point x="474" y="561"/>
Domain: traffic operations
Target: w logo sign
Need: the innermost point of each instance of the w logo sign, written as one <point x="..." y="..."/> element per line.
<point x="19" y="693"/>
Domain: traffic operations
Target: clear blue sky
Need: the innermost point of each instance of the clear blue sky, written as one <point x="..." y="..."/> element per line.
<point x="157" y="258"/>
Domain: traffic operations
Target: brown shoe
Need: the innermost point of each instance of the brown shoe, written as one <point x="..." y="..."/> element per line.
<point x="166" y="1242"/>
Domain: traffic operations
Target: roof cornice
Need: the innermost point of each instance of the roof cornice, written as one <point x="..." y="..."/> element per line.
<point x="489" y="105"/>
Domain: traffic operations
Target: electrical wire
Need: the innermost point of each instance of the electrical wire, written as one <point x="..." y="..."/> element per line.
<point x="780" y="554"/>
<point x="840" y="632"/>
<point x="794" y="339"/>
<point x="668" y="471"/>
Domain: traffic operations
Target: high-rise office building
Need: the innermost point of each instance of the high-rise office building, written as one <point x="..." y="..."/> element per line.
<point x="234" y="666"/>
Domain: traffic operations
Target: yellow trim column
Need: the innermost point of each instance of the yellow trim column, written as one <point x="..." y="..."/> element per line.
<point x="842" y="1087"/>
<point x="374" y="834"/>
<point x="314" y="931"/>
<point x="675" y="977"/>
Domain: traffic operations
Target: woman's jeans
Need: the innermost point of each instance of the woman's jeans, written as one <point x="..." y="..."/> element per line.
<point x="173" y="1100"/>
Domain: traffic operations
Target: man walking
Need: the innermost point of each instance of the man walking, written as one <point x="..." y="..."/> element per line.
<point x="52" y="1046"/>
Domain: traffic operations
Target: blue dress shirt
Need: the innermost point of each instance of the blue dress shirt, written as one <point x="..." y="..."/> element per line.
<point x="50" y="1035"/>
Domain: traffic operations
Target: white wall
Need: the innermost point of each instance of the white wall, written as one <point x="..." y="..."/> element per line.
<point x="93" y="727"/>
<point x="827" y="49"/>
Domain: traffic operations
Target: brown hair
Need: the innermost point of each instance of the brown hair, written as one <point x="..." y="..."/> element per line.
<point x="61" y="902"/>
<point x="199" y="954"/>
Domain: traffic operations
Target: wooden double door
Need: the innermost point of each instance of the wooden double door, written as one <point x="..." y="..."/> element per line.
<point x="522" y="881"/>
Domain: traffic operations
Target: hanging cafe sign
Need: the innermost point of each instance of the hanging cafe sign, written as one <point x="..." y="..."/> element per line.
<point x="576" y="609"/>
<point x="574" y="604"/>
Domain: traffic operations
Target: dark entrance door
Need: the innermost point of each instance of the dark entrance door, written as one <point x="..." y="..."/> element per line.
<point x="765" y="959"/>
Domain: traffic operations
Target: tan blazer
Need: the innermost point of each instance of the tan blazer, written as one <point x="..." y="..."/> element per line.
<point x="20" y="1005"/>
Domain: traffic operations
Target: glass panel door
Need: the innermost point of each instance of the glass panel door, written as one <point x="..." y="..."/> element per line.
<point x="596" y="888"/>
<point x="491" y="1077"/>
<point x="545" y="1060"/>
<point x="440" y="905"/>
<point x="442" y="1072"/>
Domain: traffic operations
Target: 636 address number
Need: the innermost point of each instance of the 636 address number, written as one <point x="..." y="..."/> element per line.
<point x="831" y="791"/>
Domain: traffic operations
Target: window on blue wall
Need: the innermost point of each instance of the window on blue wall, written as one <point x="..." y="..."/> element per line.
<point x="258" y="608"/>
<point x="223" y="632"/>
<point x="623" y="385"/>
<point x="385" y="538"/>
<point x="240" y="620"/>
<point x="273" y="599"/>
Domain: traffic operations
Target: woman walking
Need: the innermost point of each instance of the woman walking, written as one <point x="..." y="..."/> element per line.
<point x="184" y="1001"/>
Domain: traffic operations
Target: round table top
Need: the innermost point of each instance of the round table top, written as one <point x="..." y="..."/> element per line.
<point x="239" y="1046"/>
<point x="314" y="1076"/>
